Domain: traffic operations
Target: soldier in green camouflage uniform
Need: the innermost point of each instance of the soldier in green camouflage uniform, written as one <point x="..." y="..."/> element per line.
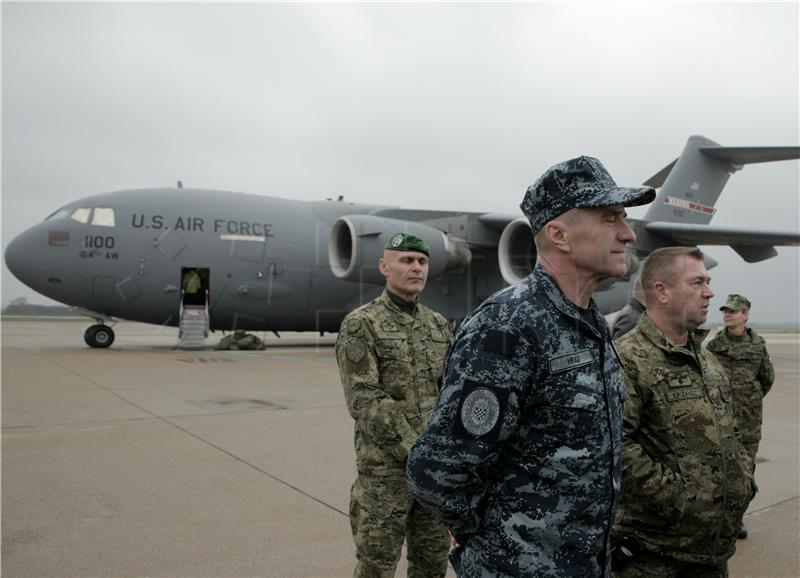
<point x="686" y="477"/>
<point x="743" y="354"/>
<point x="391" y="354"/>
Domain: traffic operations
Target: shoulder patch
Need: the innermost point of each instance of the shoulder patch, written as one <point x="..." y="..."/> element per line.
<point x="480" y="411"/>
<point x="353" y="325"/>
<point x="356" y="350"/>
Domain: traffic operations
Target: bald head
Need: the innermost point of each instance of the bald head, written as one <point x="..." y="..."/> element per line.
<point x="406" y="272"/>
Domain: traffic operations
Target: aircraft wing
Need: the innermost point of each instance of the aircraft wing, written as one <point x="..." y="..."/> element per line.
<point x="709" y="235"/>
<point x="497" y="221"/>
<point x="480" y="230"/>
<point x="752" y="244"/>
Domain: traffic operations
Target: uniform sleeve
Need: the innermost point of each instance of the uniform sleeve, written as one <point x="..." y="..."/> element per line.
<point x="450" y="466"/>
<point x="766" y="373"/>
<point x="643" y="477"/>
<point x="377" y="415"/>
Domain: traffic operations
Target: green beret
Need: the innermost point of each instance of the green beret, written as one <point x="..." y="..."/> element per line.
<point x="736" y="303"/>
<point x="408" y="242"/>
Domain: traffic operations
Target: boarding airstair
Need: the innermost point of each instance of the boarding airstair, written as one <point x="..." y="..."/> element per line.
<point x="193" y="327"/>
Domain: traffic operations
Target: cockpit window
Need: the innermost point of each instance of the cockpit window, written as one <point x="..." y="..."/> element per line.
<point x="81" y="215"/>
<point x="58" y="214"/>
<point x="104" y="217"/>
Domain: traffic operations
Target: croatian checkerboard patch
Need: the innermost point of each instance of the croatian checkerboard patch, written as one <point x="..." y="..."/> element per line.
<point x="480" y="411"/>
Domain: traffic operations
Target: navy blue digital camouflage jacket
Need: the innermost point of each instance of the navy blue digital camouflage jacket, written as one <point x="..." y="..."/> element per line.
<point x="521" y="457"/>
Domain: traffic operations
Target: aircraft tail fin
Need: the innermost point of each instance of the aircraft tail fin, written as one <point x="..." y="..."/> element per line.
<point x="692" y="183"/>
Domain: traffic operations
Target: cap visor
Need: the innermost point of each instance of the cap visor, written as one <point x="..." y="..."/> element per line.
<point x="627" y="197"/>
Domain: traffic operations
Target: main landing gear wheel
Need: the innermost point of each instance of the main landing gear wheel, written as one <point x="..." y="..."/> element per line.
<point x="100" y="336"/>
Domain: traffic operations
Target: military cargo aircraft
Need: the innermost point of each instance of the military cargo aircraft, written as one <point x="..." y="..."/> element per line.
<point x="204" y="259"/>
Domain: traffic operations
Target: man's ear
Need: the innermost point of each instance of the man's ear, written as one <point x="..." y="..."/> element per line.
<point x="558" y="235"/>
<point x="661" y="292"/>
<point x="383" y="267"/>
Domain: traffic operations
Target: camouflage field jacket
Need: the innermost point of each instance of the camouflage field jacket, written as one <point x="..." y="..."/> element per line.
<point x="521" y="457"/>
<point x="390" y="364"/>
<point x="686" y="477"/>
<point x="751" y="374"/>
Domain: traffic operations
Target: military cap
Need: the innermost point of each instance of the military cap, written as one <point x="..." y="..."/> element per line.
<point x="575" y="184"/>
<point x="408" y="242"/>
<point x="736" y="302"/>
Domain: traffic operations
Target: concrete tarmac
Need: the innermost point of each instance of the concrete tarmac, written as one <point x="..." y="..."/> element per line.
<point x="142" y="460"/>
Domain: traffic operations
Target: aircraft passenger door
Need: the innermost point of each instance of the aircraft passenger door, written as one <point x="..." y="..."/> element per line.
<point x="195" y="286"/>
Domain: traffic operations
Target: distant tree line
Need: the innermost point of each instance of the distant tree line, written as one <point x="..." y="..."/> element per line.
<point x="20" y="306"/>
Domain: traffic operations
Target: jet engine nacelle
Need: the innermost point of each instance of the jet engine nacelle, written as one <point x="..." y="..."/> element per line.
<point x="357" y="243"/>
<point x="516" y="255"/>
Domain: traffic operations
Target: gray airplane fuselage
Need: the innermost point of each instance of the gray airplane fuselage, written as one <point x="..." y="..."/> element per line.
<point x="267" y="260"/>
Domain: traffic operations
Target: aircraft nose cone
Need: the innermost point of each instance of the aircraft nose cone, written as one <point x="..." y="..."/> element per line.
<point x="22" y="257"/>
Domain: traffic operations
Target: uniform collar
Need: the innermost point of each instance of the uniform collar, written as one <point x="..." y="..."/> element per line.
<point x="390" y="300"/>
<point x="745" y="337"/>
<point x="724" y="341"/>
<point x="654" y="334"/>
<point x="553" y="291"/>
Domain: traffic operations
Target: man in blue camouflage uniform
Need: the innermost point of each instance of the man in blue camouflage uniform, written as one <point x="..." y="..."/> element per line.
<point x="521" y="457"/>
<point x="391" y="356"/>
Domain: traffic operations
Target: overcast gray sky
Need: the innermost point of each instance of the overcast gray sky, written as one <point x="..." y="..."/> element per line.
<point x="439" y="106"/>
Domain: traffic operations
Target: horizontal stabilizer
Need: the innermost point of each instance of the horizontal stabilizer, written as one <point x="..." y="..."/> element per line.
<point x="747" y="155"/>
<point x="690" y="234"/>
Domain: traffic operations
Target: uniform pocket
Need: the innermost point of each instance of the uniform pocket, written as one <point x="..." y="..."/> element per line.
<point x="391" y="346"/>
<point x="569" y="419"/>
<point x="684" y="396"/>
<point x="572" y="390"/>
